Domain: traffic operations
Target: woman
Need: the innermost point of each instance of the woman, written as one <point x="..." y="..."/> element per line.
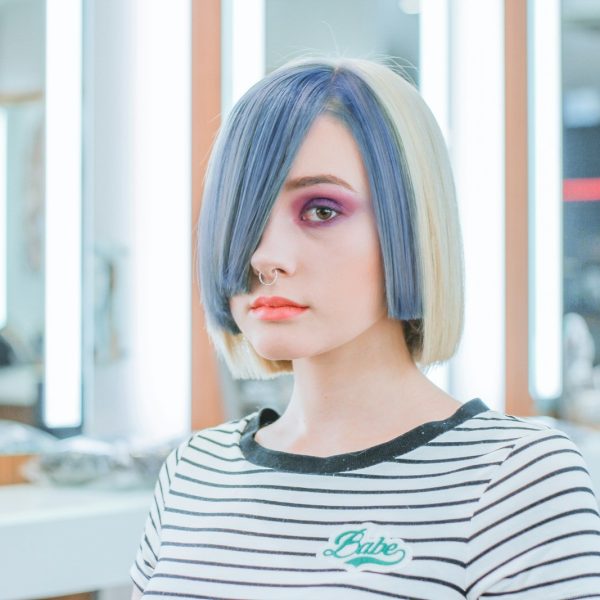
<point x="329" y="248"/>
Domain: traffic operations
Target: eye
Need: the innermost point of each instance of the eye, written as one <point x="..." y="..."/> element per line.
<point x="319" y="213"/>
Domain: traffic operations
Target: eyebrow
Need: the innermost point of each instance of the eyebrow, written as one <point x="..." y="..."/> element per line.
<point x="301" y="182"/>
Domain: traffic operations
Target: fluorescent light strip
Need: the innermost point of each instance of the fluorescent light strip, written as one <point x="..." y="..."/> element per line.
<point x="434" y="65"/>
<point x="545" y="223"/>
<point x="62" y="390"/>
<point x="243" y="48"/>
<point x="3" y="222"/>
<point x="161" y="224"/>
<point x="448" y="33"/>
<point x="248" y="44"/>
<point x="477" y="150"/>
<point x="434" y="59"/>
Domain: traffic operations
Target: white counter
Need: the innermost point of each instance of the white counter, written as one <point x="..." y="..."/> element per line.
<point x="63" y="540"/>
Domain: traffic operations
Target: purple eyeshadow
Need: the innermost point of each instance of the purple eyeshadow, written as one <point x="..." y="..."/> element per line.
<point x="323" y="202"/>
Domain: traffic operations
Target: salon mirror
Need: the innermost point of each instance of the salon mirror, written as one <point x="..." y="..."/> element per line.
<point x="22" y="208"/>
<point x="580" y="400"/>
<point x="564" y="223"/>
<point x="40" y="216"/>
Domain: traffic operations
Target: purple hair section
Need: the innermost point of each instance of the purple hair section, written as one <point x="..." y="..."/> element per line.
<point x="250" y="161"/>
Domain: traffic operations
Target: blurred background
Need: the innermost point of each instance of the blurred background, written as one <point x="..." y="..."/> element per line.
<point x="108" y="109"/>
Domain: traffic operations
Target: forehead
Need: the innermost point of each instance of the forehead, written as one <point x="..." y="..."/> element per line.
<point x="330" y="149"/>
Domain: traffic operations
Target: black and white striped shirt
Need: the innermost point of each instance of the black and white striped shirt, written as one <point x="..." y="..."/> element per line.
<point x="479" y="505"/>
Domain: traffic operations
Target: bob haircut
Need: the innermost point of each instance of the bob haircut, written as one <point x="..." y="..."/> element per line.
<point x="412" y="193"/>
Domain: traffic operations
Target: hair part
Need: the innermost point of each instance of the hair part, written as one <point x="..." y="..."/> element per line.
<point x="411" y="187"/>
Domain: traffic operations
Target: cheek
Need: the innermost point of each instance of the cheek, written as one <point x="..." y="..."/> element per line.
<point x="235" y="306"/>
<point x="355" y="275"/>
<point x="372" y="277"/>
<point x="367" y="255"/>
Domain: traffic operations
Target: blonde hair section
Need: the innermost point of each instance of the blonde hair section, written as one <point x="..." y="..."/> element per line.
<point x="242" y="360"/>
<point x="439" y="237"/>
<point x="438" y="229"/>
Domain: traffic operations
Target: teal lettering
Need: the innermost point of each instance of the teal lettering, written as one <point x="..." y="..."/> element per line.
<point x="349" y="546"/>
<point x="365" y="548"/>
<point x="379" y="547"/>
<point x="390" y="549"/>
<point x="346" y="540"/>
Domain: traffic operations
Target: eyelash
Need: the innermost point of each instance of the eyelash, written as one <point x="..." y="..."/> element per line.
<point x="317" y="207"/>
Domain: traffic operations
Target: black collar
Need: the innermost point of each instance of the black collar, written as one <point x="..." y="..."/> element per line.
<point x="359" y="459"/>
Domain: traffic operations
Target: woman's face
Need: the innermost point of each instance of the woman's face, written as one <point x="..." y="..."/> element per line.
<point x="323" y="239"/>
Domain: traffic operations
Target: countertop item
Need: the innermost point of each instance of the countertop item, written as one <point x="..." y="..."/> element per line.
<point x="64" y="540"/>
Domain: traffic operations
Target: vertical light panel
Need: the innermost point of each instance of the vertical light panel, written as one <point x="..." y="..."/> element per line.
<point x="243" y="48"/>
<point x="434" y="65"/>
<point x="3" y="222"/>
<point x="477" y="151"/>
<point x="62" y="352"/>
<point x="161" y="226"/>
<point x="545" y="191"/>
<point x="434" y="60"/>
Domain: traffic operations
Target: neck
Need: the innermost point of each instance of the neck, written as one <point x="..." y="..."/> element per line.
<point x="371" y="381"/>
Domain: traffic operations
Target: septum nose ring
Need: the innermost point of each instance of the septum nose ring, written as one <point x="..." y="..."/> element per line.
<point x="260" y="277"/>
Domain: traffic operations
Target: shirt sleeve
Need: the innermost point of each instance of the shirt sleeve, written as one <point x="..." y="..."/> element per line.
<point x="147" y="554"/>
<point x="535" y="532"/>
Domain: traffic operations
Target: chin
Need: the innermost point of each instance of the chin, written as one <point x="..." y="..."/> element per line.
<point x="279" y="353"/>
<point x="280" y="349"/>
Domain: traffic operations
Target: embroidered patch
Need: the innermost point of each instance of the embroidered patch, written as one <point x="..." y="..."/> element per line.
<point x="366" y="547"/>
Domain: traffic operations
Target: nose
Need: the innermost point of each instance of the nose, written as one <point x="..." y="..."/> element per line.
<point x="275" y="251"/>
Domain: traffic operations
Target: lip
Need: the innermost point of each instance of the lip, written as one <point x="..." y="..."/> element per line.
<point x="277" y="313"/>
<point x="275" y="308"/>
<point x="274" y="302"/>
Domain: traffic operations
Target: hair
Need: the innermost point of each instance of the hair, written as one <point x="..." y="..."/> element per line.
<point x="411" y="187"/>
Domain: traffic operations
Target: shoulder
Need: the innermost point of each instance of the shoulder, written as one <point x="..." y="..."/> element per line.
<point x="538" y="508"/>
<point x="224" y="431"/>
<point x="218" y="439"/>
<point x="201" y="447"/>
<point x="510" y="431"/>
<point x="535" y="453"/>
<point x="487" y="431"/>
<point x="513" y="444"/>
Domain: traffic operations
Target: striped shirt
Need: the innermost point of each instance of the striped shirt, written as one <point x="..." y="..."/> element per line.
<point x="479" y="505"/>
